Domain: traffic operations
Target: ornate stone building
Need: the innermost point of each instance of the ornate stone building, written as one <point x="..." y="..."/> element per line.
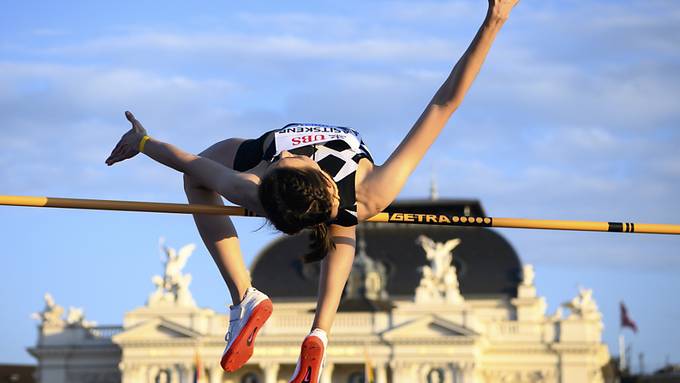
<point x="423" y="304"/>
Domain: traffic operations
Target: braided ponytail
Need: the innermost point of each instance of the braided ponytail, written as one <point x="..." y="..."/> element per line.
<point x="322" y="243"/>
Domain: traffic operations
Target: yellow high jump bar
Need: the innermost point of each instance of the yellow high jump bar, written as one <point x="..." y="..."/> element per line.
<point x="386" y="217"/>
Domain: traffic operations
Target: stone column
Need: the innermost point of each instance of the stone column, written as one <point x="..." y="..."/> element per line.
<point x="151" y="372"/>
<point x="403" y="372"/>
<point x="180" y="374"/>
<point x="465" y="373"/>
<point x="132" y="373"/>
<point x="176" y="374"/>
<point x="144" y="374"/>
<point x="215" y="374"/>
<point x="327" y="373"/>
<point x="125" y="374"/>
<point x="271" y="371"/>
<point x="450" y="374"/>
<point x="381" y="373"/>
<point x="187" y="373"/>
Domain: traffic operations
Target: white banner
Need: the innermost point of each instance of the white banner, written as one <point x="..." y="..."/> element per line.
<point x="299" y="135"/>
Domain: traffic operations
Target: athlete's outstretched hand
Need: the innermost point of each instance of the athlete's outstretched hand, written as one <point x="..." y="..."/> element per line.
<point x="128" y="146"/>
<point x="501" y="8"/>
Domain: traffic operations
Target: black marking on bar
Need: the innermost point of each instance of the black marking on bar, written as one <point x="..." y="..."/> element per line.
<point x="616" y="227"/>
<point x="632" y="227"/>
<point x="627" y="227"/>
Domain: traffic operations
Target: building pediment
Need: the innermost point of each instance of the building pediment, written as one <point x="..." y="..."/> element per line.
<point x="427" y="326"/>
<point x="156" y="329"/>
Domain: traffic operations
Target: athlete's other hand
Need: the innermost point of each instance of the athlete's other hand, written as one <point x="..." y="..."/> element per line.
<point x="500" y="9"/>
<point x="128" y="146"/>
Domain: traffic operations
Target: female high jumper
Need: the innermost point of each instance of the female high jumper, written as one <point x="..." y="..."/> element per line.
<point x="304" y="176"/>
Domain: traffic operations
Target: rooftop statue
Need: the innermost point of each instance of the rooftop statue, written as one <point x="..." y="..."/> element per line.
<point x="439" y="254"/>
<point x="75" y="317"/>
<point x="173" y="287"/>
<point x="583" y="305"/>
<point x="528" y="275"/>
<point x="51" y="315"/>
<point x="439" y="282"/>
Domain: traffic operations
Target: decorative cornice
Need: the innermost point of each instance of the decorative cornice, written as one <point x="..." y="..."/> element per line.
<point x="41" y="351"/>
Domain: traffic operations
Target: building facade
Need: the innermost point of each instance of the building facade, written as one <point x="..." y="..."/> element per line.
<point x="431" y="304"/>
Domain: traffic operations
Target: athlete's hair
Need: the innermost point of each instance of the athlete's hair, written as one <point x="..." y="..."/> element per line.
<point x="295" y="199"/>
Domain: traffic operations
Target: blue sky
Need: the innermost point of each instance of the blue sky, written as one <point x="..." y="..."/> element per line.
<point x="574" y="116"/>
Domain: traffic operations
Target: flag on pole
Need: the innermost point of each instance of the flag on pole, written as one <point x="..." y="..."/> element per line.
<point x="368" y="367"/>
<point x="198" y="367"/>
<point x="625" y="319"/>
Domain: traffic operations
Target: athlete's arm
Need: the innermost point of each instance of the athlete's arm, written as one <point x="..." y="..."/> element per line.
<point x="379" y="188"/>
<point x="335" y="269"/>
<point x="239" y="188"/>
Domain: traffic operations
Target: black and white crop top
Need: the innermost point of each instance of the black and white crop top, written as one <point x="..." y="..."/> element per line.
<point x="336" y="149"/>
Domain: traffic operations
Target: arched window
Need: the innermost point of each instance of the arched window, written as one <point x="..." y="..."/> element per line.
<point x="163" y="376"/>
<point x="356" y="377"/>
<point x="250" y="378"/>
<point x="436" y="375"/>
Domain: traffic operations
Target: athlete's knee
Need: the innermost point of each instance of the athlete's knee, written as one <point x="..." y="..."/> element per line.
<point x="214" y="151"/>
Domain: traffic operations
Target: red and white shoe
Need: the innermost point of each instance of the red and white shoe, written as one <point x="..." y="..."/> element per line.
<point x="245" y="321"/>
<point x="312" y="358"/>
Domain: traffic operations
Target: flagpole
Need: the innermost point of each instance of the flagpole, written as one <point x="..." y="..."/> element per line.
<point x="622" y="352"/>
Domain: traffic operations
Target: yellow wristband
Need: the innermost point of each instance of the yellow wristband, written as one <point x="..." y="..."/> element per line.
<point x="142" y="142"/>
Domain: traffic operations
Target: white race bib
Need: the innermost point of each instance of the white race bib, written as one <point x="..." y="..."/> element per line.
<point x="298" y="135"/>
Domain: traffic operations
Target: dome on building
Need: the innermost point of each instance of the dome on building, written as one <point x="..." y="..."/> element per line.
<point x="485" y="262"/>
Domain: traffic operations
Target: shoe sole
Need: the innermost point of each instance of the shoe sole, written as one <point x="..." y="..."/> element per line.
<point x="242" y="348"/>
<point x="311" y="357"/>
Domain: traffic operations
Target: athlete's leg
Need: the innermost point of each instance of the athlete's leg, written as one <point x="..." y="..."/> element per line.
<point x="251" y="308"/>
<point x="218" y="232"/>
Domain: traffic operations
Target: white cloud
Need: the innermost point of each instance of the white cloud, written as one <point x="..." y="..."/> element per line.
<point x="281" y="47"/>
<point x="49" y="32"/>
<point x="576" y="144"/>
<point x="669" y="166"/>
<point x="637" y="97"/>
<point x="60" y="122"/>
<point x="60" y="93"/>
<point x="430" y="11"/>
<point x="302" y="23"/>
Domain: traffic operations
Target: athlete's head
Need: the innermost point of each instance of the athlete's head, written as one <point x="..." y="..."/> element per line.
<point x="296" y="194"/>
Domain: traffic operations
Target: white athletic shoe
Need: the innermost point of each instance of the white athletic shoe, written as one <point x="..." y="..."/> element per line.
<point x="245" y="321"/>
<point x="312" y="358"/>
